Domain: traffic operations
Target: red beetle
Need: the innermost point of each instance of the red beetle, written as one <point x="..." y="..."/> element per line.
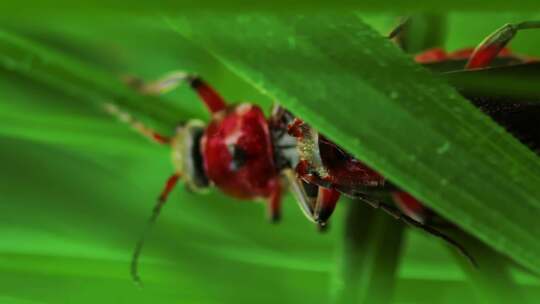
<point x="249" y="156"/>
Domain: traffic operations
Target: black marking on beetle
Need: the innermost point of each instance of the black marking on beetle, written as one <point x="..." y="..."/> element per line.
<point x="200" y="176"/>
<point x="195" y="82"/>
<point x="239" y="157"/>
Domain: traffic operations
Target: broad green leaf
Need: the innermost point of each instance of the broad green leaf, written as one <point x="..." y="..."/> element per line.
<point x="507" y="84"/>
<point x="368" y="262"/>
<point x="362" y="92"/>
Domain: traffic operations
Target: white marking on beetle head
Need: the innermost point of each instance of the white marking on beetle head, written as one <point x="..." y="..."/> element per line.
<point x="243" y="108"/>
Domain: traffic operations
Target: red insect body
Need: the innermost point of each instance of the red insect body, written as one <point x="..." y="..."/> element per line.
<point x="238" y="154"/>
<point x="484" y="56"/>
<point x="437" y="55"/>
<point x="344" y="169"/>
<point x="341" y="167"/>
<point x="482" y="59"/>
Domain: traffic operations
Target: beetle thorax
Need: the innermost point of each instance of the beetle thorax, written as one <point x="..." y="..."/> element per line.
<point x="237" y="152"/>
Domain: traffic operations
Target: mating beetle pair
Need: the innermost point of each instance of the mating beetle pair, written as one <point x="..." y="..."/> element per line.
<point x="249" y="156"/>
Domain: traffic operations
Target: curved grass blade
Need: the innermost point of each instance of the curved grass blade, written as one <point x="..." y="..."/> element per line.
<point x="494" y="283"/>
<point x="368" y="262"/>
<point x="361" y="91"/>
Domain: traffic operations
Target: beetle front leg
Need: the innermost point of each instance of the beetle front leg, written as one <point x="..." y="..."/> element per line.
<point x="305" y="194"/>
<point x="327" y="199"/>
<point x="492" y="45"/>
<point x="317" y="203"/>
<point x="213" y="101"/>
<point x="274" y="201"/>
<point x="305" y="201"/>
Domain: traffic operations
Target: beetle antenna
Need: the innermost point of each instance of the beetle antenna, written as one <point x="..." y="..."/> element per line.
<point x="398" y="215"/>
<point x="171" y="182"/>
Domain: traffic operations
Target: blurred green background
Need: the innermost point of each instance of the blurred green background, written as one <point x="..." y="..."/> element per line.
<point x="77" y="187"/>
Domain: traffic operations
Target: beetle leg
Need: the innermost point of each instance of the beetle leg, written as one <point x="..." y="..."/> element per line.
<point x="398" y="215"/>
<point x="274" y="201"/>
<point x="138" y="126"/>
<point x="169" y="186"/>
<point x="317" y="203"/>
<point x="327" y="199"/>
<point x="493" y="44"/>
<point x="305" y="202"/>
<point x="213" y="101"/>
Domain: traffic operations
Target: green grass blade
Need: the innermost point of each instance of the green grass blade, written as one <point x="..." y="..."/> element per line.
<point x="423" y="31"/>
<point x="79" y="80"/>
<point x="361" y="91"/>
<point x="95" y="7"/>
<point x="515" y="83"/>
<point x="492" y="281"/>
<point x="369" y="257"/>
<point x="368" y="262"/>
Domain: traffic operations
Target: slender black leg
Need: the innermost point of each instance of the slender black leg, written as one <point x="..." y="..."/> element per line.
<point x="305" y="202"/>
<point x="395" y="213"/>
<point x="169" y="186"/>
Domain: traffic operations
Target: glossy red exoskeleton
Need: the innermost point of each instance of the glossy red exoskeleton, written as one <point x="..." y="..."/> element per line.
<point x="249" y="156"/>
